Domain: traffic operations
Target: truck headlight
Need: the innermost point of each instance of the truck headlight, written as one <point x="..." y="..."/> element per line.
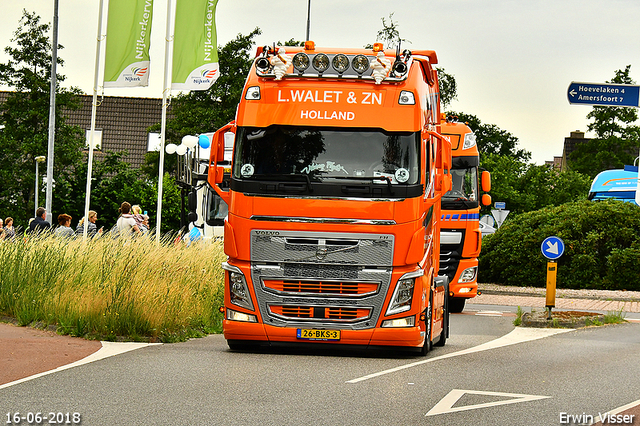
<point x="238" y="289"/>
<point x="239" y="316"/>
<point x="406" y="98"/>
<point x="468" y="275"/>
<point x="469" y="140"/>
<point x="400" y="322"/>
<point x="403" y="294"/>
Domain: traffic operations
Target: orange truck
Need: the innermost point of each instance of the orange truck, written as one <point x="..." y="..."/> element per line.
<point x="460" y="236"/>
<point x="332" y="233"/>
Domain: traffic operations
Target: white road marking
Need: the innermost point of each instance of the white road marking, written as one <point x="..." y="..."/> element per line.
<point x="107" y="350"/>
<point x="624" y="408"/>
<point x="518" y="335"/>
<point x="489" y="313"/>
<point x="446" y="404"/>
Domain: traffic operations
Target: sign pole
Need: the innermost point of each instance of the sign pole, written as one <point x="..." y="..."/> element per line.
<point x="552" y="248"/>
<point x="552" y="271"/>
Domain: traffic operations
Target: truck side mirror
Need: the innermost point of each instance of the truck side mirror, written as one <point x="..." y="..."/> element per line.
<point x="485" y="178"/>
<point x="192" y="204"/>
<point x="486" y="199"/>
<point x="193" y="201"/>
<point x="216" y="171"/>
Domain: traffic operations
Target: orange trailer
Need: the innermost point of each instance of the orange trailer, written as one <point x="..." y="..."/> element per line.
<point x="460" y="236"/>
<point x="332" y="233"/>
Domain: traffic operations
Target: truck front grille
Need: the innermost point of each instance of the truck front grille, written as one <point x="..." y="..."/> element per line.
<point x="319" y="279"/>
<point x="322" y="313"/>
<point x="328" y="288"/>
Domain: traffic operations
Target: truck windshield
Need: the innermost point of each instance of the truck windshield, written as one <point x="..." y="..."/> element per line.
<point x="464" y="192"/>
<point x="327" y="154"/>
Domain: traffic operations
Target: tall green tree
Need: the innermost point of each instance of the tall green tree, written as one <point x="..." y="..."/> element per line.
<point x="207" y="110"/>
<point x="492" y="139"/>
<point x="25" y="115"/>
<point x="114" y="181"/>
<point x="617" y="137"/>
<point x="527" y="187"/>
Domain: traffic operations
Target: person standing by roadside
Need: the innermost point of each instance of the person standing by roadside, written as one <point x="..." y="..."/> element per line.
<point x="39" y="224"/>
<point x="64" y="226"/>
<point x="139" y="218"/>
<point x="92" y="228"/>
<point x="126" y="223"/>
<point x="8" y="232"/>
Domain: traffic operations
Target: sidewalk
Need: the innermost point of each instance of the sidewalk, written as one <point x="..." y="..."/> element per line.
<point x="592" y="300"/>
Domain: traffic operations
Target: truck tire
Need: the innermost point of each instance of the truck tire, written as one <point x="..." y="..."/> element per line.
<point x="456" y="304"/>
<point x="445" y="314"/>
<point x="427" y="340"/>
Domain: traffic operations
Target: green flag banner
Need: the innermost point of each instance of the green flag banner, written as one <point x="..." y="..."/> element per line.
<point x="195" y="53"/>
<point x="128" y="36"/>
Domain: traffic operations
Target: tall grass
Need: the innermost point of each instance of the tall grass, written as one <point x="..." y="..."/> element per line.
<point x="106" y="288"/>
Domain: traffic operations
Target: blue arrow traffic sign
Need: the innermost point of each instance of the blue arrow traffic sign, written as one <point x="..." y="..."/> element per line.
<point x="552" y="248"/>
<point x="604" y="94"/>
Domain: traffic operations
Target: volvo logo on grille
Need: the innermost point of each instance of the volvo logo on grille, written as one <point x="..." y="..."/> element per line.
<point x="321" y="253"/>
<point x="267" y="232"/>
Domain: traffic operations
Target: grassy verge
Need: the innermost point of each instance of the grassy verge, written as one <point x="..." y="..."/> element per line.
<point x="113" y="289"/>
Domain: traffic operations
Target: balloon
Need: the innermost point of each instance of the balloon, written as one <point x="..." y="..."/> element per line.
<point x="189" y="141"/>
<point x="181" y="149"/>
<point x="171" y="148"/>
<point x="204" y="141"/>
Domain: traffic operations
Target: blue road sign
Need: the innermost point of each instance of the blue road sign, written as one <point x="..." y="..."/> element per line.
<point x="500" y="205"/>
<point x="552" y="248"/>
<point x="604" y="94"/>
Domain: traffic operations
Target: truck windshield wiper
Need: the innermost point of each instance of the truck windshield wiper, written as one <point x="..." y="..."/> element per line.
<point x="287" y="177"/>
<point x="367" y="179"/>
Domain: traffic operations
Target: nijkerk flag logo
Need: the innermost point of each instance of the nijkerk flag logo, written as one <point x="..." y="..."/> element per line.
<point x="127" y="51"/>
<point x="195" y="53"/>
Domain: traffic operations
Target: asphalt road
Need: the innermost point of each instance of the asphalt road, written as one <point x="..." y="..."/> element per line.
<point x="202" y="382"/>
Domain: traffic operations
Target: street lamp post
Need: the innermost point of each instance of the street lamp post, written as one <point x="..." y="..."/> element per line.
<point x="39" y="159"/>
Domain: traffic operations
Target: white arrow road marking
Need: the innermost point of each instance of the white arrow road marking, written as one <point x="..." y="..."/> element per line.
<point x="446" y="404"/>
<point x="518" y="335"/>
<point x="107" y="350"/>
<point x="552" y="248"/>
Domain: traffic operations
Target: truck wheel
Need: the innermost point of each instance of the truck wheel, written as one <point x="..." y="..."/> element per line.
<point x="427" y="340"/>
<point x="445" y="324"/>
<point x="456" y="304"/>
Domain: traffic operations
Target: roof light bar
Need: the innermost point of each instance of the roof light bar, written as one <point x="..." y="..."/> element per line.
<point x="272" y="63"/>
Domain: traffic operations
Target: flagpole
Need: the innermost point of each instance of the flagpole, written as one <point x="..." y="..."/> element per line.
<point x="94" y="106"/>
<point x="165" y="92"/>
<point x="52" y="114"/>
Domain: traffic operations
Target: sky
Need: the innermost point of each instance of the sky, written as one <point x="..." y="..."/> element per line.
<point x="513" y="60"/>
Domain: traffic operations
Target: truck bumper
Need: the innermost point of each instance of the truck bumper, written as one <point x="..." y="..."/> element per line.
<point x="466" y="289"/>
<point x="407" y="337"/>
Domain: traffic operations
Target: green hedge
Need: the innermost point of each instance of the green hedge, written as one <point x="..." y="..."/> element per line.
<point x="602" y="247"/>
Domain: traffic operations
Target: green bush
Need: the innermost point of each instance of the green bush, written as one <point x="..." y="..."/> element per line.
<point x="602" y="247"/>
